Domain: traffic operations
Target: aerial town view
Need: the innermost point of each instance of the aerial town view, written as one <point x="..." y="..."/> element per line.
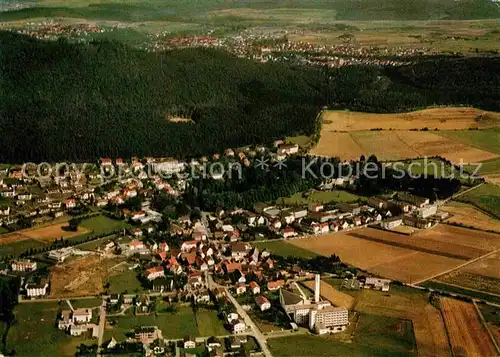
<point x="287" y="178"/>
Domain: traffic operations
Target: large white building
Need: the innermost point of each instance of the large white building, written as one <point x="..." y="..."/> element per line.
<point x="23" y="265"/>
<point x="320" y="316"/>
<point x="35" y="290"/>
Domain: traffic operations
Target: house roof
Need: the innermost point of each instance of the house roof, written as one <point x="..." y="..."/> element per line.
<point x="261" y="300"/>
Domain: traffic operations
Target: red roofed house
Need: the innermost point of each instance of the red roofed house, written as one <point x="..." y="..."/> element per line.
<point x="187" y="246"/>
<point x="263" y="303"/>
<point x="71" y="203"/>
<point x="154" y="273"/>
<point x="289" y="232"/>
<point x="254" y="287"/>
<point x="136" y="245"/>
<point x="275" y="285"/>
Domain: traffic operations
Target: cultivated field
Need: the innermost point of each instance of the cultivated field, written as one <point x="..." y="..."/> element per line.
<point x="469" y="215"/>
<point x="331" y="294"/>
<point x="489" y="267"/>
<point x="54" y="231"/>
<point x="464" y="278"/>
<point x="82" y="276"/>
<point x="356" y="251"/>
<point x="397" y="145"/>
<point x="451" y="118"/>
<point x="462" y="236"/>
<point x="486" y="197"/>
<point x="468" y="337"/>
<point x="399" y="257"/>
<point x="427" y="143"/>
<point x="44" y="234"/>
<point x="410" y="304"/>
<point x="421" y="243"/>
<point x="349" y="134"/>
<point x="337" y="144"/>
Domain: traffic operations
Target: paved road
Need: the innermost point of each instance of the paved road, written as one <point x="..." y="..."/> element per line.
<point x="248" y="321"/>
<point x="102" y="323"/>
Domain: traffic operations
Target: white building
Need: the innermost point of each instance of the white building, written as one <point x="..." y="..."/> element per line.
<point x="427" y="211"/>
<point x="319" y="316"/>
<point x="35" y="290"/>
<point x="82" y="315"/>
<point x="23" y="265"/>
<point x="377" y="284"/>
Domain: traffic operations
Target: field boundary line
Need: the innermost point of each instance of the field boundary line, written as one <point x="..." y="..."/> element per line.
<point x="458" y="267"/>
<point x="407" y="145"/>
<point x="410" y="247"/>
<point x="483" y="321"/>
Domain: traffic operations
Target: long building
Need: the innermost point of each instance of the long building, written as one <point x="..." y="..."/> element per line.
<point x="320" y="316"/>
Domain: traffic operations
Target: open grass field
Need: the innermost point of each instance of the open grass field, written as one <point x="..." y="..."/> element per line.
<point x="470" y="216"/>
<point x="336" y="297"/>
<point x="209" y="323"/>
<point x="173" y="325"/>
<point x="464" y="278"/>
<point x="20" y="246"/>
<point x="334" y="196"/>
<point x="485" y="197"/>
<point x="102" y="224"/>
<point x="450" y="118"/>
<point x="35" y="333"/>
<point x="81" y="276"/>
<point x="488" y="140"/>
<point x="279" y="247"/>
<point x="86" y="303"/>
<point x="123" y="279"/>
<point x="471" y="341"/>
<point x="374" y="336"/>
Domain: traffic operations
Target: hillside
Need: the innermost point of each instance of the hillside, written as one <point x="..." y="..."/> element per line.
<point x="214" y="12"/>
<point x="62" y="101"/>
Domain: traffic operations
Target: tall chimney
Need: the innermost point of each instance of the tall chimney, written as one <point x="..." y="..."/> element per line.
<point x="317" y="283"/>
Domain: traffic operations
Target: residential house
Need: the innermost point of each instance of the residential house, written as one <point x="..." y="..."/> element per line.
<point x="392" y="222"/>
<point x="254" y="287"/>
<point x="155" y="273"/>
<point x="241" y="289"/>
<point x="377" y="284"/>
<point x="189" y="245"/>
<point x="275" y="285"/>
<point x="146" y="334"/>
<point x="263" y="303"/>
<point x="82" y="315"/>
<point x="288" y="232"/>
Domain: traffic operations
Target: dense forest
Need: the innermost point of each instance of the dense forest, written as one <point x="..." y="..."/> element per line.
<point x="66" y="101"/>
<point x="303" y="173"/>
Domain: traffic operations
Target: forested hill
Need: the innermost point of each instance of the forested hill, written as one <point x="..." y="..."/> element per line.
<point x="61" y="101"/>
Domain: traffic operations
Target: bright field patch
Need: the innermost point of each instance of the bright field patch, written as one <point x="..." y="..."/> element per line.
<point x="54" y="231"/>
<point x="397" y="145"/>
<point x="331" y="294"/>
<point x="452" y="118"/>
<point x="468" y="215"/>
<point x="337" y="144"/>
<point x="485" y="197"/>
<point x="468" y="337"/>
